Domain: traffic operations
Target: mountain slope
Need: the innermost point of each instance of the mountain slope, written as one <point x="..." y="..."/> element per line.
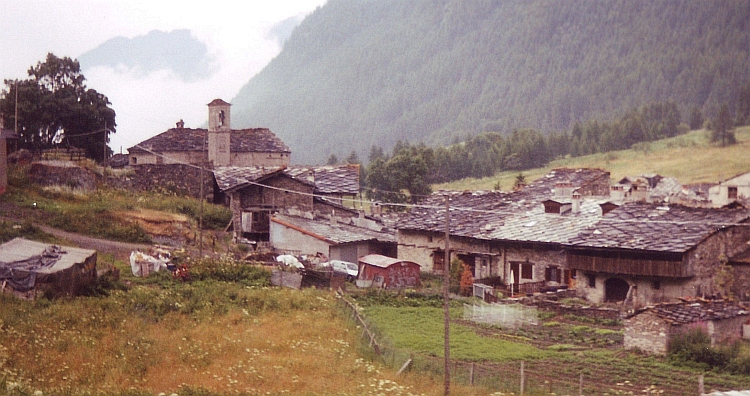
<point x="358" y="73"/>
<point x="177" y="50"/>
<point x="691" y="158"/>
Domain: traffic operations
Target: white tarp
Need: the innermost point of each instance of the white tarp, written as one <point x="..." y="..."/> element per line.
<point x="289" y="260"/>
<point x="142" y="264"/>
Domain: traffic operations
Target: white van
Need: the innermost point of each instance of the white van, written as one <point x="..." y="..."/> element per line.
<point x="349" y="269"/>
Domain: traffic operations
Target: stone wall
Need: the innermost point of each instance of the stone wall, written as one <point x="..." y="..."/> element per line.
<point x="578" y="310"/>
<point x="171" y="178"/>
<point x="62" y="173"/>
<point x="646" y="332"/>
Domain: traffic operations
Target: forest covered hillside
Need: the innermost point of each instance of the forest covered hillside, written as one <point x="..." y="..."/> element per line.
<point x="358" y="73"/>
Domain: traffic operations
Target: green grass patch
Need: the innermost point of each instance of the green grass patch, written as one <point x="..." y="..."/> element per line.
<point x="10" y="230"/>
<point x="563" y="347"/>
<point x="691" y="158"/>
<point x="421" y="330"/>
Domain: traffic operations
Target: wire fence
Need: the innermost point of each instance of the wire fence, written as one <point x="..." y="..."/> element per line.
<point x="513" y="377"/>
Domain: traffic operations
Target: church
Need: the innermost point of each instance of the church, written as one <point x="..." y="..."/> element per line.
<point x="217" y="146"/>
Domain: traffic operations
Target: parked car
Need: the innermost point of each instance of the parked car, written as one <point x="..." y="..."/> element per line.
<point x="346" y="268"/>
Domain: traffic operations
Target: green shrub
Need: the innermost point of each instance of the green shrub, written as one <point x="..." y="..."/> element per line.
<point x="692" y="347"/>
<point x="26" y="230"/>
<point x="227" y="269"/>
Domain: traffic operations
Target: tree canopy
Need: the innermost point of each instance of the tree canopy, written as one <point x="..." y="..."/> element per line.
<point x="56" y="108"/>
<point x="362" y="72"/>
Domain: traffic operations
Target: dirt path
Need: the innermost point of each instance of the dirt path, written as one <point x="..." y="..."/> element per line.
<point x="120" y="250"/>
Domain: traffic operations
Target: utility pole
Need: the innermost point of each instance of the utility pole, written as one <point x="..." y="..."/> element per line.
<point x="200" y="217"/>
<point x="446" y="297"/>
<point x="104" y="157"/>
<point x="15" y="128"/>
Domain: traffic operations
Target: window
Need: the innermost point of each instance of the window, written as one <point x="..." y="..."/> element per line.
<point x="527" y="271"/>
<point x="592" y="280"/>
<point x="135" y="160"/>
<point x="732" y="192"/>
<point x="552" y="274"/>
<point x="657" y="284"/>
<point x="438" y="261"/>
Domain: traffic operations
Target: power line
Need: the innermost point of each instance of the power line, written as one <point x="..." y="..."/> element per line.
<point x="453" y="208"/>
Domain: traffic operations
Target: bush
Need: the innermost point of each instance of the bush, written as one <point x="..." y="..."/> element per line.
<point x="227" y="269"/>
<point x="692" y="347"/>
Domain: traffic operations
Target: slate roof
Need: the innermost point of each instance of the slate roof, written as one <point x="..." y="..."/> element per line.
<point x="189" y="139"/>
<point x="685" y="313"/>
<point x="544" y="187"/>
<point x="535" y="225"/>
<point x="657" y="227"/>
<point x="326" y="179"/>
<point x="514" y="216"/>
<point x="381" y="261"/>
<point x="337" y="233"/>
<point x="231" y="177"/>
<point x="331" y="179"/>
<point x="471" y="212"/>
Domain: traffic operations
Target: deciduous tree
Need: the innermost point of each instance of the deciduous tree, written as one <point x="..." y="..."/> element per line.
<point x="56" y="107"/>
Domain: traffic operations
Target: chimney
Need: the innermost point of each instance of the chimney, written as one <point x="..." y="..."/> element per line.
<point x="334" y="221"/>
<point x="563" y="189"/>
<point x="576" y="208"/>
<point x="180" y="124"/>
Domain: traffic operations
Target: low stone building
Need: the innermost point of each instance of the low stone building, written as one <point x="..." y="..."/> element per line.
<point x="643" y="253"/>
<point x="515" y="236"/>
<point x="28" y="267"/>
<point x="336" y="238"/>
<point x="651" y="329"/>
<point x="254" y="194"/>
<point x="734" y="189"/>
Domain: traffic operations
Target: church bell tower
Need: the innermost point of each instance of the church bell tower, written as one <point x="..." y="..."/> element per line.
<point x="219" y="133"/>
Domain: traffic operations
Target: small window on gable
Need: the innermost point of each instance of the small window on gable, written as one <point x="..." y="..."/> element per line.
<point x="732" y="192"/>
<point x="135" y="160"/>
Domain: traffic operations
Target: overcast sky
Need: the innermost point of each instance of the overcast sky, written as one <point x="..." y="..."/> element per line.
<point x="236" y="34"/>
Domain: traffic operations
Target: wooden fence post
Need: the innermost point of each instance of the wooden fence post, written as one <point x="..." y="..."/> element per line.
<point x="701" y="388"/>
<point x="580" y="385"/>
<point x="522" y="378"/>
<point x="471" y="374"/>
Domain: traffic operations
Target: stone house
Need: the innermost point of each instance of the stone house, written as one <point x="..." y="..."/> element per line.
<point x="652" y="328"/>
<point x="731" y="190"/>
<point x="498" y="233"/>
<point x="255" y="193"/>
<point x="336" y="238"/>
<point x="656" y="188"/>
<point x="219" y="145"/>
<point x="643" y="253"/>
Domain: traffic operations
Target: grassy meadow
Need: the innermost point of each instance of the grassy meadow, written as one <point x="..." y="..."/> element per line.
<point x="201" y="337"/>
<point x="556" y="353"/>
<point x="98" y="213"/>
<point x="691" y="158"/>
